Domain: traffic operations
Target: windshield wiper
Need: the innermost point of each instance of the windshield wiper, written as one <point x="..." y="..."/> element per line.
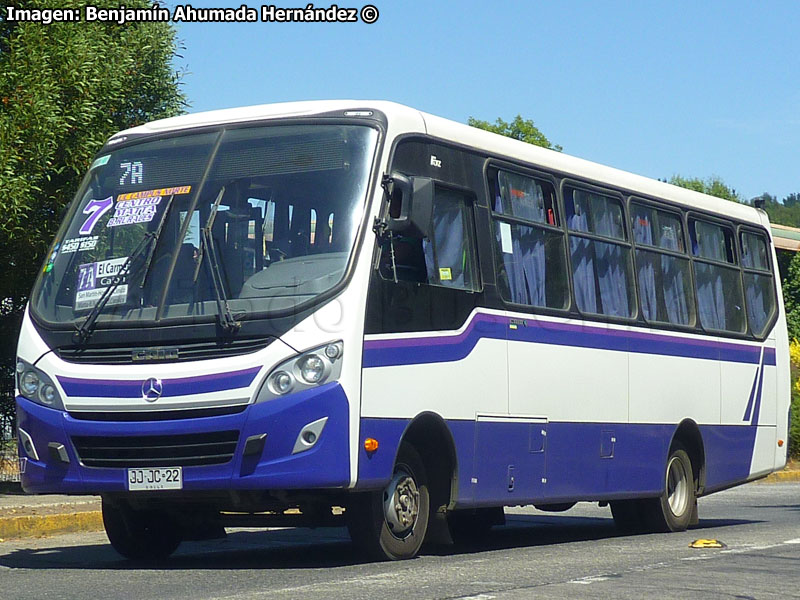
<point x="85" y="329"/>
<point x="207" y="248"/>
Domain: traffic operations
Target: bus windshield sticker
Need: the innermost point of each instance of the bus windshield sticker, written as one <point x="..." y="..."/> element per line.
<point x="79" y="244"/>
<point x="182" y="189"/>
<point x="94" y="278"/>
<point x="505" y="238"/>
<point x="141" y="207"/>
<point x="137" y="210"/>
<point x="445" y="274"/>
<point x="52" y="259"/>
<point x="95" y="209"/>
<point x="100" y="162"/>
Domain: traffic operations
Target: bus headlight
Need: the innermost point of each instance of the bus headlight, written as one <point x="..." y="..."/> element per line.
<point x="29" y="384"/>
<point x="37" y="387"/>
<point x="312" y="368"/>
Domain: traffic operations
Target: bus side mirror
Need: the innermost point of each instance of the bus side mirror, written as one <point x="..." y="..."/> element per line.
<point x="410" y="205"/>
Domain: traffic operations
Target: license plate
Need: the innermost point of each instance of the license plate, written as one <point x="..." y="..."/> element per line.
<point x="155" y="478"/>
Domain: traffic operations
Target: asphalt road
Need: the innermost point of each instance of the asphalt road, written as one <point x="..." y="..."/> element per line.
<point x="576" y="554"/>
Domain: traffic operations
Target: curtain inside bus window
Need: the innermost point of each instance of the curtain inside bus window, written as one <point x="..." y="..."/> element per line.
<point x="523" y="195"/>
<point x="754" y="252"/>
<point x="760" y="301"/>
<point x="674" y="273"/>
<point x="709" y="242"/>
<point x="612" y="279"/>
<point x="720" y="301"/>
<point x="526" y="199"/>
<point x="611" y="258"/>
<point x="448" y="257"/>
<point x="582" y="255"/>
<point x="645" y="266"/>
<point x="507" y="252"/>
<point x="710" y="301"/>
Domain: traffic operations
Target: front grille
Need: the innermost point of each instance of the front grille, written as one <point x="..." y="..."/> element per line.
<point x="158" y="415"/>
<point x="116" y="355"/>
<point x="193" y="449"/>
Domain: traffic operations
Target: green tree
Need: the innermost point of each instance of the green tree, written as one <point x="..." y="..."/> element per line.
<point x="64" y="89"/>
<point x="791" y="297"/>
<point x="783" y="213"/>
<point x="791" y="200"/>
<point x="519" y="129"/>
<point x="713" y="186"/>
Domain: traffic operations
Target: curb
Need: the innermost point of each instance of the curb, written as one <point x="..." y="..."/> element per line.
<point x="782" y="476"/>
<point x="41" y="525"/>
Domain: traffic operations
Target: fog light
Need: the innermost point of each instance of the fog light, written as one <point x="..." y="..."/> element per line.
<point x="333" y="351"/>
<point x="312" y="369"/>
<point x="29" y="384"/>
<point x="281" y="382"/>
<point x="309" y="437"/>
<point x="47" y="394"/>
<point x="26" y="441"/>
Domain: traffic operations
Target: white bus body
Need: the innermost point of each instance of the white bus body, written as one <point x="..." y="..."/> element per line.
<point x="549" y="331"/>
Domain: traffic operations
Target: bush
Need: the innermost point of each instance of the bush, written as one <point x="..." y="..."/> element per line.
<point x="794" y="428"/>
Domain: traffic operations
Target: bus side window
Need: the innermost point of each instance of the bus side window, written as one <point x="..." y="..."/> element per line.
<point x="530" y="257"/>
<point x="718" y="284"/>
<point x="759" y="287"/>
<point x="447" y="258"/>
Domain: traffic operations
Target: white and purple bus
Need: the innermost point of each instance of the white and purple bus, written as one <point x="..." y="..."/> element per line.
<point x="345" y="312"/>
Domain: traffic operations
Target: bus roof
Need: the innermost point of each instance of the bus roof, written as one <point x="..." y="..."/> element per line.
<point x="463" y="134"/>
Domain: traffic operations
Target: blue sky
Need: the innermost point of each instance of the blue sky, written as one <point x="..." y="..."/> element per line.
<point x="656" y="88"/>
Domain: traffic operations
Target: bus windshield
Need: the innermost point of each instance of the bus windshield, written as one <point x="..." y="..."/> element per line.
<point x="265" y="217"/>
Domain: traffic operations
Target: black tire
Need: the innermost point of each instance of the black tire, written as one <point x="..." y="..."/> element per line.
<point x="628" y="515"/>
<point x="372" y="532"/>
<point x="140" y="534"/>
<point x="470" y="526"/>
<point x="674" y="508"/>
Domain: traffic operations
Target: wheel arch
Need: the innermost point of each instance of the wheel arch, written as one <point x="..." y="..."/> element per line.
<point x="688" y="434"/>
<point x="431" y="437"/>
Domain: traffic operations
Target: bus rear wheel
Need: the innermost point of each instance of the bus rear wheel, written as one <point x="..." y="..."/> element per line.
<point x="140" y="534"/>
<point x="468" y="526"/>
<point x="672" y="511"/>
<point x="391" y="525"/>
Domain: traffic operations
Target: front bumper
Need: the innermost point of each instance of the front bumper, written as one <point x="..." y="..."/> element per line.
<point x="325" y="465"/>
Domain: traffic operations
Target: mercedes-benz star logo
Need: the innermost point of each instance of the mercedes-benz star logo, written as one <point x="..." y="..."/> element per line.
<point x="152" y="389"/>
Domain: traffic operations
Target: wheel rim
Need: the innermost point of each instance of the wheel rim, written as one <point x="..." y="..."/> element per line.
<point x="677" y="486"/>
<point x="401" y="504"/>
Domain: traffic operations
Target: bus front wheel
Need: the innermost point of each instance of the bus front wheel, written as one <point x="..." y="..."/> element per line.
<point x="391" y="525"/>
<point x="140" y="534"/>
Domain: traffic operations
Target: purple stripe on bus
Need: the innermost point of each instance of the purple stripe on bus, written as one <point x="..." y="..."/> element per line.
<point x="450" y="348"/>
<point x="183" y="386"/>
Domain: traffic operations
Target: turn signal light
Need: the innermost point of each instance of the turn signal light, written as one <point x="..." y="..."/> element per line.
<point x="780" y="443"/>
<point x="370" y="444"/>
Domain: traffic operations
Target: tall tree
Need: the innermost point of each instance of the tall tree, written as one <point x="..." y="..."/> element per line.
<point x="713" y="186"/>
<point x="784" y="213"/>
<point x="519" y="129"/>
<point x="64" y="89"/>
